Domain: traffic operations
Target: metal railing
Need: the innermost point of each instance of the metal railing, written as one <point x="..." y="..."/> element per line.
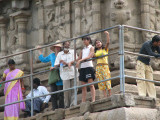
<point x="30" y="51"/>
<point x="121" y="76"/>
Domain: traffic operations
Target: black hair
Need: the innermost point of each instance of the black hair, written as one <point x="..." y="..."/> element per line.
<point x="103" y="47"/>
<point x="65" y="42"/>
<point x="87" y="38"/>
<point x="11" y="61"/>
<point x="156" y="38"/>
<point x="36" y="81"/>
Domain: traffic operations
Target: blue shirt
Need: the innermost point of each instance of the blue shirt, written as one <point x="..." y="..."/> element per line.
<point x="50" y="58"/>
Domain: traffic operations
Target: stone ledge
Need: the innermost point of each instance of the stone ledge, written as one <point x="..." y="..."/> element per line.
<point x="132" y="72"/>
<point x="115" y="101"/>
<point x="123" y="113"/>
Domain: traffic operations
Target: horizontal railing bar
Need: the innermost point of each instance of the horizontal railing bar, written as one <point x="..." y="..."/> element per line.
<point x="113" y="78"/>
<point x="36" y="73"/>
<point x="138" y="54"/>
<point x="16" y="79"/>
<point x="44" y="46"/>
<point x="7" y="56"/>
<point x="141" y="29"/>
<point x="147" y="80"/>
<point x="109" y="54"/>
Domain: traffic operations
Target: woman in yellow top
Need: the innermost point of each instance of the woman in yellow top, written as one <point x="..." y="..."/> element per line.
<point x="102" y="68"/>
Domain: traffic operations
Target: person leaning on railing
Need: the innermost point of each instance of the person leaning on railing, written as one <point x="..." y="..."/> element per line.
<point x="87" y="72"/>
<point x="57" y="99"/>
<point x="144" y="69"/>
<point x="102" y="68"/>
<point x="65" y="58"/>
<point x="13" y="91"/>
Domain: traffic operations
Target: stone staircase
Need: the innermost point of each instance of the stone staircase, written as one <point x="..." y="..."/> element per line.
<point x="129" y="106"/>
<point x="116" y="107"/>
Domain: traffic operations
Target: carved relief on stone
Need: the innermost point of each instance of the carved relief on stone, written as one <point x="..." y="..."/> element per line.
<point x="155" y="25"/>
<point x="55" y="22"/>
<point x="157" y="14"/>
<point x="157" y="19"/>
<point x="50" y="25"/>
<point x="87" y="16"/>
<point x="17" y="35"/>
<point x="12" y="43"/>
<point x="62" y="27"/>
<point x="155" y="63"/>
<point x="3" y="48"/>
<point x="120" y="15"/>
<point x="130" y="62"/>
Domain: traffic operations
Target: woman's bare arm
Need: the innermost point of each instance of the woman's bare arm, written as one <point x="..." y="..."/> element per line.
<point x="108" y="40"/>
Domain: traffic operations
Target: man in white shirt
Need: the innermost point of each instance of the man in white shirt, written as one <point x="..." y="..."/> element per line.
<point x="66" y="57"/>
<point x="38" y="103"/>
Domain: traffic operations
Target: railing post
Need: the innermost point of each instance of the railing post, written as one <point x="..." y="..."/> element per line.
<point x="121" y="53"/>
<point x="31" y="79"/>
<point x="75" y="75"/>
<point x="123" y="66"/>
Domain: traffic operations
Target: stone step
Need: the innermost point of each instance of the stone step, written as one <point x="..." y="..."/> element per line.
<point x="130" y="88"/>
<point x="132" y="72"/>
<point x="128" y="105"/>
<point x="98" y="96"/>
<point x="124" y="113"/>
<point x="131" y="99"/>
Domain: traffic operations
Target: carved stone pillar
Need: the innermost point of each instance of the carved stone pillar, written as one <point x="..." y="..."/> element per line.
<point x="96" y="17"/>
<point x="77" y="28"/>
<point x="145" y="17"/>
<point x="77" y="18"/>
<point x="67" y="19"/>
<point x="41" y="23"/>
<point x="21" y="18"/>
<point x="3" y="36"/>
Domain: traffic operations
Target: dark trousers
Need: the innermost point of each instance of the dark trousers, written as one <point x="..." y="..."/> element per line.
<point x="57" y="99"/>
<point x="37" y="103"/>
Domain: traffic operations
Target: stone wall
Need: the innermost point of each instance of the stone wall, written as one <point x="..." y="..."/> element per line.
<point x="25" y="24"/>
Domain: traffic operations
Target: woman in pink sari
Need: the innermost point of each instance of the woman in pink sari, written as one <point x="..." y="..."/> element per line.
<point x="13" y="91"/>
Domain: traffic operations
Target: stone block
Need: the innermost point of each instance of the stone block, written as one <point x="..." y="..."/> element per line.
<point x="20" y="4"/>
<point x="122" y="100"/>
<point x="85" y="107"/>
<point x="72" y="112"/>
<point x="123" y="113"/>
<point x="132" y="72"/>
<point x="58" y="114"/>
<point x="130" y="88"/>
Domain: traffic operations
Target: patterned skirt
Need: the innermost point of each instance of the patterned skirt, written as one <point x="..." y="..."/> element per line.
<point x="102" y="73"/>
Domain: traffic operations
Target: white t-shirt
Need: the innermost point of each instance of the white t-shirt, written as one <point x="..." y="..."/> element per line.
<point x="67" y="73"/>
<point x="85" y="53"/>
<point x="41" y="90"/>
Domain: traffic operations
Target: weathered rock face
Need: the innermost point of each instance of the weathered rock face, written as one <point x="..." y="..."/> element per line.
<point x="25" y="24"/>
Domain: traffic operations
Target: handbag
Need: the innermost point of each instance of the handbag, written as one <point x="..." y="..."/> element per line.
<point x="53" y="76"/>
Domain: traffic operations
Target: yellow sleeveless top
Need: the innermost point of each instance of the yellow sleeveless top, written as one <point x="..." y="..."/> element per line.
<point x="100" y="53"/>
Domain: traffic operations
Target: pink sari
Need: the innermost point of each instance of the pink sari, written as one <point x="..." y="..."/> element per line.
<point x="13" y="93"/>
